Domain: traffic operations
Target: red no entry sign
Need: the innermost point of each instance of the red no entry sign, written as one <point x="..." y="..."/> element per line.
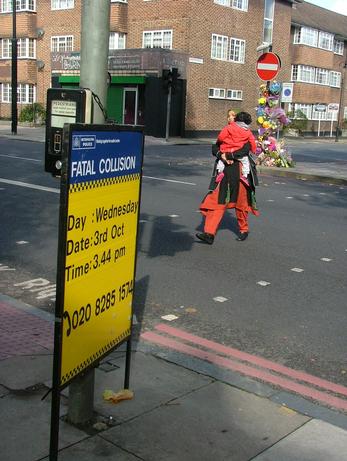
<point x="268" y="65"/>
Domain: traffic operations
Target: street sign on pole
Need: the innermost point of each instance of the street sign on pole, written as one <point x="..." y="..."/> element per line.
<point x="268" y="66"/>
<point x="287" y="92"/>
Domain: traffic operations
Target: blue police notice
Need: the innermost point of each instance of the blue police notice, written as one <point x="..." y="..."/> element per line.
<point x="104" y="154"/>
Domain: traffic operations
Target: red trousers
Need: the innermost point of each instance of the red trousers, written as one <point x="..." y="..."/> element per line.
<point x="214" y="211"/>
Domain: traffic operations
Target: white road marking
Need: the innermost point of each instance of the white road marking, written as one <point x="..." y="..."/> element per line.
<point x="289" y="197"/>
<point x="270" y="200"/>
<point x="326" y="259"/>
<point x="30" y="186"/>
<point x="220" y="299"/>
<point x="263" y="283"/>
<point x="169" y="317"/>
<point x="297" y="269"/>
<point x="21" y="242"/>
<point x="21" y="158"/>
<point x="174" y="216"/>
<point x="170" y="180"/>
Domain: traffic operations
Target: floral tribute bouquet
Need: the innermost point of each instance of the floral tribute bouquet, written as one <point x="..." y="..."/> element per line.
<point x="270" y="117"/>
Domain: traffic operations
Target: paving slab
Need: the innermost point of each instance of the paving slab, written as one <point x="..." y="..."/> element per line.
<point x="25" y="420"/>
<point x="216" y="422"/>
<point x="315" y="441"/>
<point x="95" y="449"/>
<point x="25" y="371"/>
<point x="153" y="381"/>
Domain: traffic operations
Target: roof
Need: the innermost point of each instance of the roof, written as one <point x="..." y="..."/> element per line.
<point x="306" y="14"/>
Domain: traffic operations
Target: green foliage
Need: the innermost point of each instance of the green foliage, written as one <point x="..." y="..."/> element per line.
<point x="298" y="121"/>
<point x="33" y="113"/>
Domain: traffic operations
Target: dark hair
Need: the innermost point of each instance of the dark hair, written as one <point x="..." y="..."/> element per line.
<point x="243" y="117"/>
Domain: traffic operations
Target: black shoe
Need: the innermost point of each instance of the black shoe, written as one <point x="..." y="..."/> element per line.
<point x="205" y="237"/>
<point x="242" y="236"/>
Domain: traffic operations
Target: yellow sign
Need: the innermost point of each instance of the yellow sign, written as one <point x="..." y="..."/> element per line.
<point x="100" y="247"/>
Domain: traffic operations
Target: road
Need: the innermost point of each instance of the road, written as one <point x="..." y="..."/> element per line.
<point x="280" y="295"/>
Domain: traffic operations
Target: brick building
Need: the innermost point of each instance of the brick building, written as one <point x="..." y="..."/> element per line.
<point x="212" y="43"/>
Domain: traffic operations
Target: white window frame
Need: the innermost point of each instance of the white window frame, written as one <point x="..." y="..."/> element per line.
<point x="339" y="46"/>
<point x="239" y="47"/>
<point x="219" y="47"/>
<point x="26" y="48"/>
<point x="162" y="37"/>
<point x="345" y="113"/>
<point x="62" y="4"/>
<point x="21" y="5"/>
<point x="305" y="108"/>
<point x="6" y="94"/>
<point x="241" y="5"/>
<point x="306" y="36"/>
<point x="216" y="93"/>
<point x="305" y="74"/>
<point x="236" y="95"/>
<point x="63" y="40"/>
<point x="26" y="93"/>
<point x="326" y="41"/>
<point x="117" y="41"/>
<point x="322" y="76"/>
<point x="335" y="79"/>
<point x="6" y="48"/>
<point x="119" y="1"/>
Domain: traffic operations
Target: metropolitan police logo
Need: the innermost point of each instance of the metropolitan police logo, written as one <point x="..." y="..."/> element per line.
<point x="76" y="142"/>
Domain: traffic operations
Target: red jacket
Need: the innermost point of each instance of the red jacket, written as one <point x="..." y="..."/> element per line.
<point x="233" y="137"/>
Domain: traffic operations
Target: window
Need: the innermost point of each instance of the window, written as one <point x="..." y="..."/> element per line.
<point x="6" y="48"/>
<point x="157" y="39"/>
<point x="303" y="74"/>
<point x="21" y="5"/>
<point x="216" y="93"/>
<point x="62" y="4"/>
<point x="234" y="94"/>
<point x="345" y="113"/>
<point x="6" y="94"/>
<point x="117" y="41"/>
<point x="119" y="1"/>
<point x="62" y="43"/>
<point x="306" y="36"/>
<point x="322" y="76"/>
<point x="219" y="49"/>
<point x="335" y="79"/>
<point x="236" y="4"/>
<point x="237" y="50"/>
<point x="306" y="109"/>
<point x="326" y="41"/>
<point x="26" y="48"/>
<point x="338" y="47"/>
<point x="26" y="94"/>
<point x="268" y="20"/>
<point x="240" y="4"/>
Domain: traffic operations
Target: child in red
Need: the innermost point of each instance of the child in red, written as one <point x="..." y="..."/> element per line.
<point x="232" y="137"/>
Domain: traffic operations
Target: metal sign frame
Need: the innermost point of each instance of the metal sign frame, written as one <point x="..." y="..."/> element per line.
<point x="100" y="162"/>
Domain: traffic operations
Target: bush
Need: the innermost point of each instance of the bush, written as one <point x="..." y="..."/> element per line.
<point x="33" y="113"/>
<point x="298" y="121"/>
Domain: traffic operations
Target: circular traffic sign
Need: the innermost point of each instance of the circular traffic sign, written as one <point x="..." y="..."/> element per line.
<point x="268" y="66"/>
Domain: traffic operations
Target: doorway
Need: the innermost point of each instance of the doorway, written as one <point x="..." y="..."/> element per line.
<point x="130" y="103"/>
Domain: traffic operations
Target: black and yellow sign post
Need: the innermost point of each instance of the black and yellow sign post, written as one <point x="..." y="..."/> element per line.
<point x="99" y="212"/>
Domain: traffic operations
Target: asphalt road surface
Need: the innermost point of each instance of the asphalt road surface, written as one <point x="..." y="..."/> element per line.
<point x="281" y="294"/>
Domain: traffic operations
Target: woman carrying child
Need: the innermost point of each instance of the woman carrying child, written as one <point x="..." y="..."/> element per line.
<point x="236" y="188"/>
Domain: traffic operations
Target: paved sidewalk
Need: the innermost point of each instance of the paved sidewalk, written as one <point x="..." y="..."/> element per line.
<point x="333" y="172"/>
<point x="182" y="410"/>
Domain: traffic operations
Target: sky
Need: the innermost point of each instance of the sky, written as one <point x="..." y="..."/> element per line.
<point x="339" y="6"/>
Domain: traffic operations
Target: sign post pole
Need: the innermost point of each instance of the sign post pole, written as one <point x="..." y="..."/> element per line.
<point x="93" y="75"/>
